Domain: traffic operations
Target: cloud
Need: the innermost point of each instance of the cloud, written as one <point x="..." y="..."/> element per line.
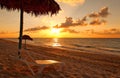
<point x="82" y="21"/>
<point x="56" y="26"/>
<point x="94" y="14"/>
<point x="84" y="18"/>
<point x="6" y="32"/>
<point x="72" y="2"/>
<point x="70" y="23"/>
<point x="113" y="31"/>
<point x="109" y="32"/>
<point x="99" y="15"/>
<point x="97" y="22"/>
<point x="3" y="32"/>
<point x="102" y="13"/>
<point x="37" y="28"/>
<point x="90" y="31"/>
<point x="69" y="30"/>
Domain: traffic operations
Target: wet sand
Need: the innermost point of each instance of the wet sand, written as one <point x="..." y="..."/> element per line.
<point x="77" y="64"/>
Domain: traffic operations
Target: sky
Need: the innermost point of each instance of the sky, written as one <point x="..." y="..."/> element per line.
<point x="76" y="19"/>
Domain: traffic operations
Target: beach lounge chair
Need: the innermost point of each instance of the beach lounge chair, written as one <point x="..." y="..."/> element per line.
<point x="43" y="64"/>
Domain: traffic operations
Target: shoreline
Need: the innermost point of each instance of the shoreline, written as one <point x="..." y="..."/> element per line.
<point x="78" y="64"/>
<point x="77" y="50"/>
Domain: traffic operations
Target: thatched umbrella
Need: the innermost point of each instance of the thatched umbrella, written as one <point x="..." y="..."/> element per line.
<point x="26" y="37"/>
<point x="34" y="7"/>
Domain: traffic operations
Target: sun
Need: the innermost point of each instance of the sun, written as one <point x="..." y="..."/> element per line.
<point x="55" y="30"/>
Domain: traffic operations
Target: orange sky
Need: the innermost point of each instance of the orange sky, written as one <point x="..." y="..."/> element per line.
<point x="77" y="19"/>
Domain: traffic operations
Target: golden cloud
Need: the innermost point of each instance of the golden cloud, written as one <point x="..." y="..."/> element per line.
<point x="70" y="31"/>
<point x="104" y="12"/>
<point x="72" y="2"/>
<point x="70" y="23"/>
<point x="113" y="31"/>
<point x="37" y="28"/>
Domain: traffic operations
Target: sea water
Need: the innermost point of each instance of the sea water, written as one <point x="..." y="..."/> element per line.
<point x="79" y="44"/>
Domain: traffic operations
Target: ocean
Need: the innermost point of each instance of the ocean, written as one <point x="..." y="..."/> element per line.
<point x="98" y="45"/>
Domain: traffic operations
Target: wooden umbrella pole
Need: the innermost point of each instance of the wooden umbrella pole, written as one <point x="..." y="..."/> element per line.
<point x="25" y="43"/>
<point x="21" y="31"/>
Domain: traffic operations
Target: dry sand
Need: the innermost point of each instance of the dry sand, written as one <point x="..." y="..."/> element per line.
<point x="77" y="64"/>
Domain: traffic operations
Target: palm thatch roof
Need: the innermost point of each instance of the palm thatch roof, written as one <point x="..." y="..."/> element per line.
<point x="36" y="7"/>
<point x="26" y="37"/>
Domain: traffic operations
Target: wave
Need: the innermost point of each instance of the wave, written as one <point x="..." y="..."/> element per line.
<point x="90" y="48"/>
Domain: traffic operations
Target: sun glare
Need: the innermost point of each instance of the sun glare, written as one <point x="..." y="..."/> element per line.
<point x="55" y="31"/>
<point x="56" y="43"/>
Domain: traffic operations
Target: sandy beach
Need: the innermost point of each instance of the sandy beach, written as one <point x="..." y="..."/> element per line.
<point x="77" y="64"/>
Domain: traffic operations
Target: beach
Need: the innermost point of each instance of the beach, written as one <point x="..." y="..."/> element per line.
<point x="76" y="64"/>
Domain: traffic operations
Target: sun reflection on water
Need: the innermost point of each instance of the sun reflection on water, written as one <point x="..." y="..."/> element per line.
<point x="56" y="42"/>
